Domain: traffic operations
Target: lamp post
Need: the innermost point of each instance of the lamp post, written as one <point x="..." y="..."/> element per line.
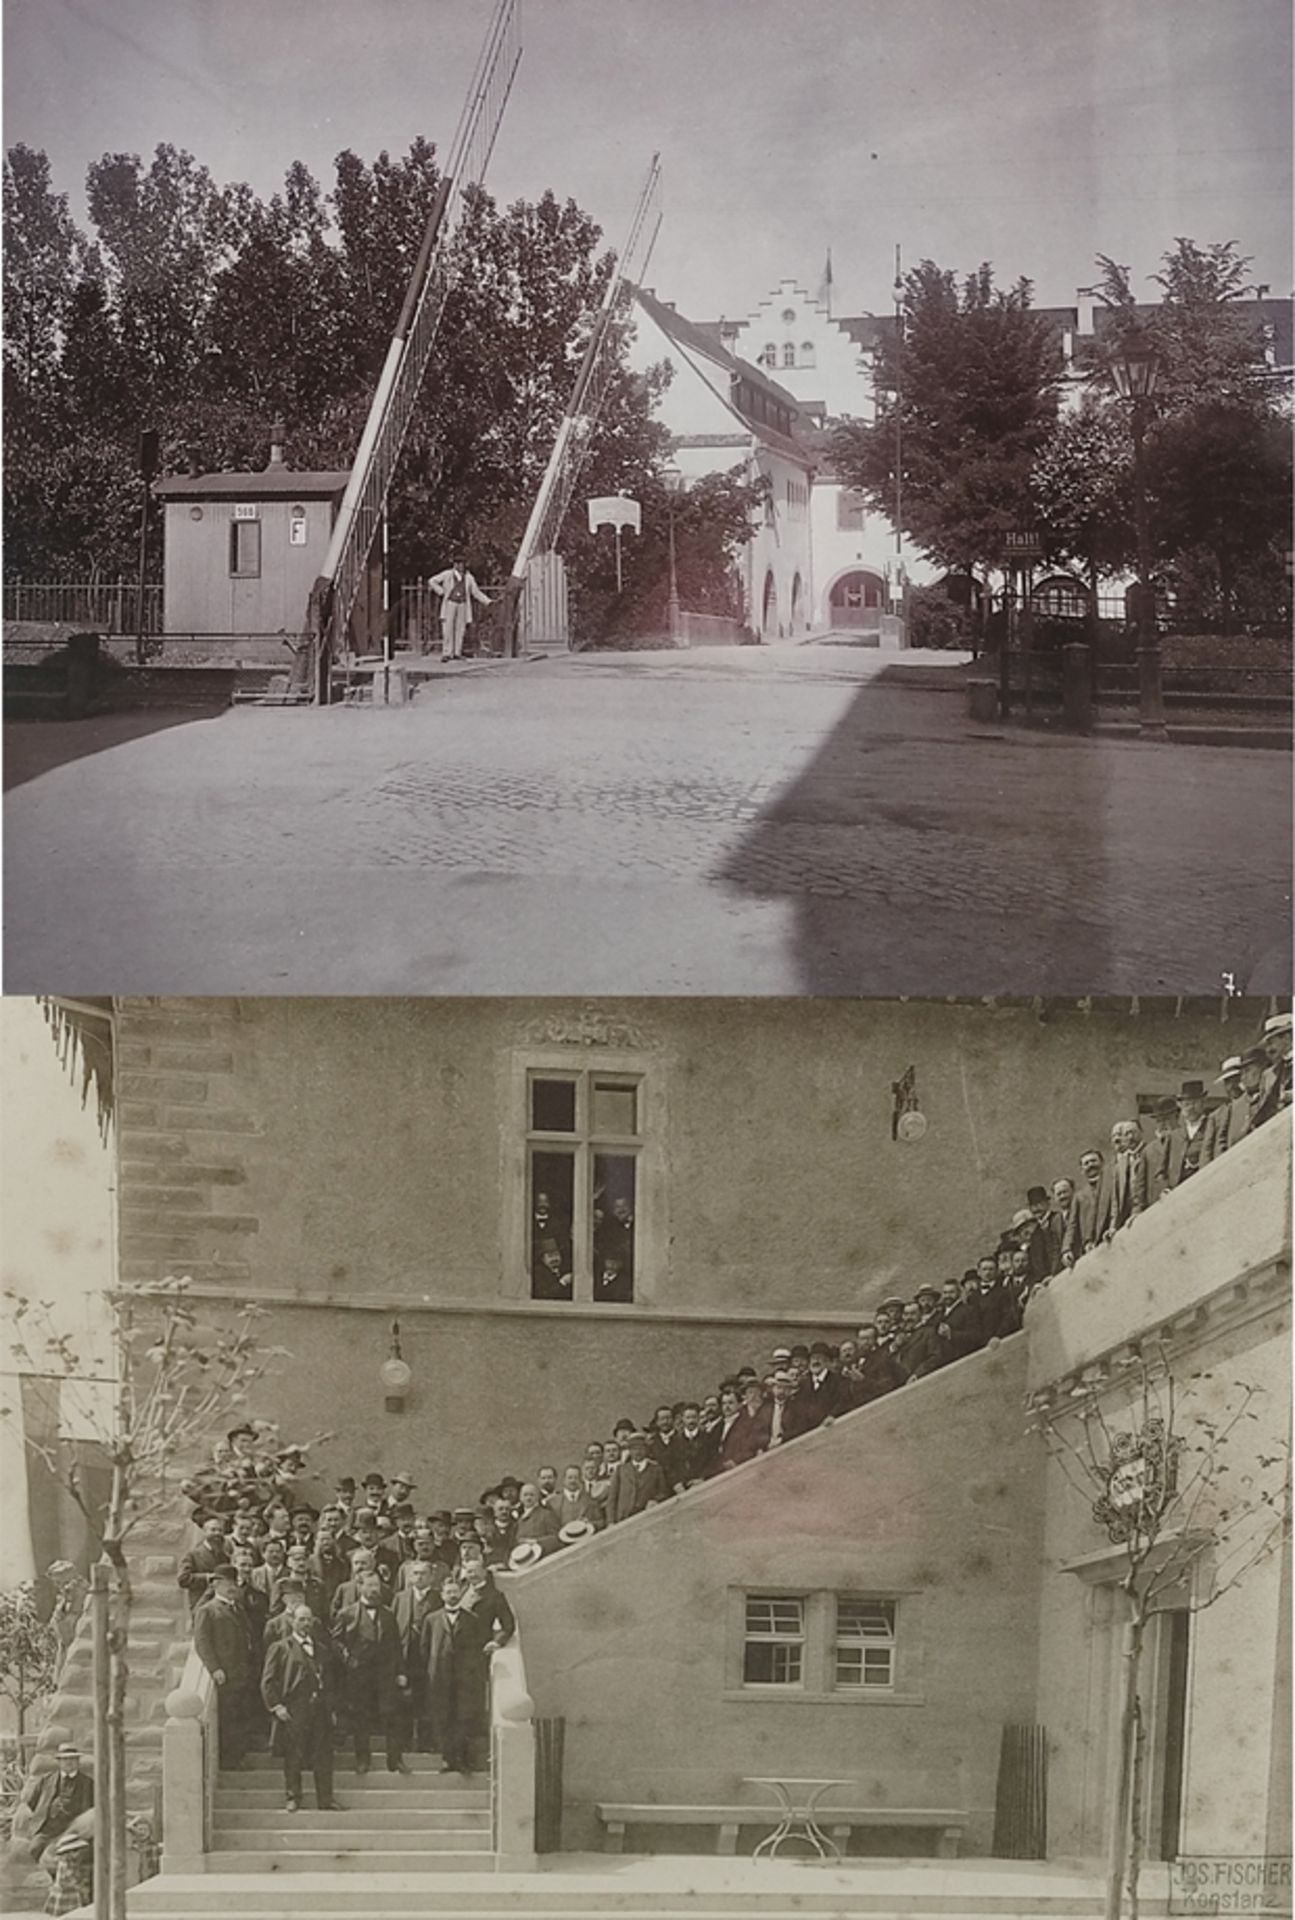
<point x="1136" y="371"/>
<point x="673" y="481"/>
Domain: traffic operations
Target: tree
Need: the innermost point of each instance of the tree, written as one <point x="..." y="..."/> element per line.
<point x="1219" y="479"/>
<point x="1158" y="1478"/>
<point x="1082" y="488"/>
<point x="43" y="254"/>
<point x="29" y="1653"/>
<point x="967" y="395"/>
<point x="179" y="1379"/>
<point x="1217" y="452"/>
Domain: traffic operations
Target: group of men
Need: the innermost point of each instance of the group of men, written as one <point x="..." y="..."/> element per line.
<point x="551" y="1249"/>
<point x="350" y="1617"/>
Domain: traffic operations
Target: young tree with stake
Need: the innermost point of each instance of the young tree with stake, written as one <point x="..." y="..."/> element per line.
<point x="177" y="1381"/>
<point x="1170" y="1478"/>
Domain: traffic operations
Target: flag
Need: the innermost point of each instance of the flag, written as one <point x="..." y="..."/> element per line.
<point x="825" y="284"/>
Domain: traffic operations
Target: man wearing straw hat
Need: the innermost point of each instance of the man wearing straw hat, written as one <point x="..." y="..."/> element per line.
<point x="50" y="1803"/>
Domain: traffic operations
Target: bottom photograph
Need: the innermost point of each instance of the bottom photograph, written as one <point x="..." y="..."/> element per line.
<point x="661" y="1456"/>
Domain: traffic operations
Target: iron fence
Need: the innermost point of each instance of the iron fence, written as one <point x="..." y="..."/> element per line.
<point x="109" y="606"/>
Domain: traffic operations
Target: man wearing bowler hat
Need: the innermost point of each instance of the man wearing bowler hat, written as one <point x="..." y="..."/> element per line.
<point x="224" y="1641"/>
<point x="1193" y="1127"/>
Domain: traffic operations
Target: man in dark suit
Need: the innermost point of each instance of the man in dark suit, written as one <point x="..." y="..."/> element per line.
<point x="637" y="1484"/>
<point x="963" y="1318"/>
<point x="251" y="1596"/>
<point x="374" y="1675"/>
<point x="1256" y="1099"/>
<point x="750" y="1434"/>
<point x="198" y="1565"/>
<point x="694" y="1447"/>
<point x="1091" y="1216"/>
<point x="573" y="1501"/>
<point x="1193" y="1129"/>
<point x="1129" y="1175"/>
<point x="724" y="1436"/>
<point x="926" y="1349"/>
<point x="458" y="1664"/>
<point x="412" y="1610"/>
<point x="785" y="1415"/>
<point x="1164" y="1151"/>
<point x="224" y="1642"/>
<point x="821" y="1394"/>
<point x="876" y="1370"/>
<point x="50" y="1803"/>
<point x="298" y="1688"/>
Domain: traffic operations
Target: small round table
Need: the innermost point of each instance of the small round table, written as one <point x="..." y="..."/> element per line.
<point x="798" y="1805"/>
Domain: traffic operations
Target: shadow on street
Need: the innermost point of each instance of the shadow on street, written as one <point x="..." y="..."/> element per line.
<point x="33" y="747"/>
<point x="922" y="853"/>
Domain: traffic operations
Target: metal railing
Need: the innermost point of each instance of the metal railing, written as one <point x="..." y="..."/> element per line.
<point x="110" y="606"/>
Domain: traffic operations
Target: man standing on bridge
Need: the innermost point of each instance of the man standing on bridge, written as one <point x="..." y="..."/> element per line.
<point x="457" y="590"/>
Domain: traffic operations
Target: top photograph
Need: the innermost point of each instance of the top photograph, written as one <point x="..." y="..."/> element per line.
<point x="655" y="497"/>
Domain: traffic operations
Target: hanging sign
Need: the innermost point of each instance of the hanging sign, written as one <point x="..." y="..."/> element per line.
<point x="615" y="510"/>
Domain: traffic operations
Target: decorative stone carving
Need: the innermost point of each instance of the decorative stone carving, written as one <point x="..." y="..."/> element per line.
<point x="590" y="1026"/>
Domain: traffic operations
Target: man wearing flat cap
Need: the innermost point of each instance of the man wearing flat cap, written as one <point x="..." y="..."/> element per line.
<point x="50" y="1803"/>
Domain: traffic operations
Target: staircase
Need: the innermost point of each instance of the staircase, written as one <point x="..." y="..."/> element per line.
<point x="420" y="1822"/>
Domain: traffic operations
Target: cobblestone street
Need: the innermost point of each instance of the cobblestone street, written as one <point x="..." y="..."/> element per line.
<point x="812" y="819"/>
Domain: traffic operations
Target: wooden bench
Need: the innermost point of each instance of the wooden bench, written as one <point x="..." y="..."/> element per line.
<point x="948" y="1824"/>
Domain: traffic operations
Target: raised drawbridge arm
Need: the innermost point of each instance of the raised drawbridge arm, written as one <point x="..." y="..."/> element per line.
<point x="436" y="270"/>
<point x="592" y="379"/>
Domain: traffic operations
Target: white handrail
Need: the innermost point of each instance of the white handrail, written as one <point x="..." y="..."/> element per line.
<point x="190" y="1762"/>
<point x="512" y="1754"/>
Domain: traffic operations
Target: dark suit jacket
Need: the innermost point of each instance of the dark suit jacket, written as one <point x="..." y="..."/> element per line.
<point x="39" y="1794"/>
<point x="693" y="1456"/>
<point x="724" y="1446"/>
<point x="197" y="1567"/>
<point x="1130" y="1186"/>
<point x="411" y="1612"/>
<point x="493" y="1611"/>
<point x="457" y="1671"/>
<point x="307" y="1687"/>
<point x="749" y="1436"/>
<point x="1090" y="1215"/>
<point x="875" y="1373"/>
<point x="255" y="1603"/>
<point x="224" y="1641"/>
<point x="815" y="1404"/>
<point x="541" y="1525"/>
<point x="633" y="1491"/>
<point x="371" y="1656"/>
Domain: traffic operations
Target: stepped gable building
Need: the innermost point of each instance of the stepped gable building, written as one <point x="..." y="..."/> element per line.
<point x="828" y="363"/>
<point x="726" y="414"/>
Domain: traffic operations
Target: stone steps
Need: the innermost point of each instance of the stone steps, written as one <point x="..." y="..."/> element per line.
<point x="384" y="1800"/>
<point x="415" y="1856"/>
<point x="360" y="1816"/>
<point x="638" y="1889"/>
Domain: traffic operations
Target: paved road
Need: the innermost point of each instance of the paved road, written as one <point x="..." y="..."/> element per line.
<point x="801" y="820"/>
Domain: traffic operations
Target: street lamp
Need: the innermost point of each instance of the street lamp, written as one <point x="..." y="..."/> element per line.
<point x="673" y="481"/>
<point x="1136" y="370"/>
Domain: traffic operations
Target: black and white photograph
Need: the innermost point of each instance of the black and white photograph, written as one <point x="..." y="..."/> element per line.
<point x="646" y="1040"/>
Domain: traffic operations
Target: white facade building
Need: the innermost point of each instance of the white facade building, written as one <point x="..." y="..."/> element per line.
<point x="725" y="414"/>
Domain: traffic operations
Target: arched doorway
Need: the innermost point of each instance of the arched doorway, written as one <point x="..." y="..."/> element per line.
<point x="769" y="608"/>
<point x="857" y="599"/>
<point x="797" y="607"/>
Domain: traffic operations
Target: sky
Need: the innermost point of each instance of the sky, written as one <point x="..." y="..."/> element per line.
<point x="1031" y="133"/>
